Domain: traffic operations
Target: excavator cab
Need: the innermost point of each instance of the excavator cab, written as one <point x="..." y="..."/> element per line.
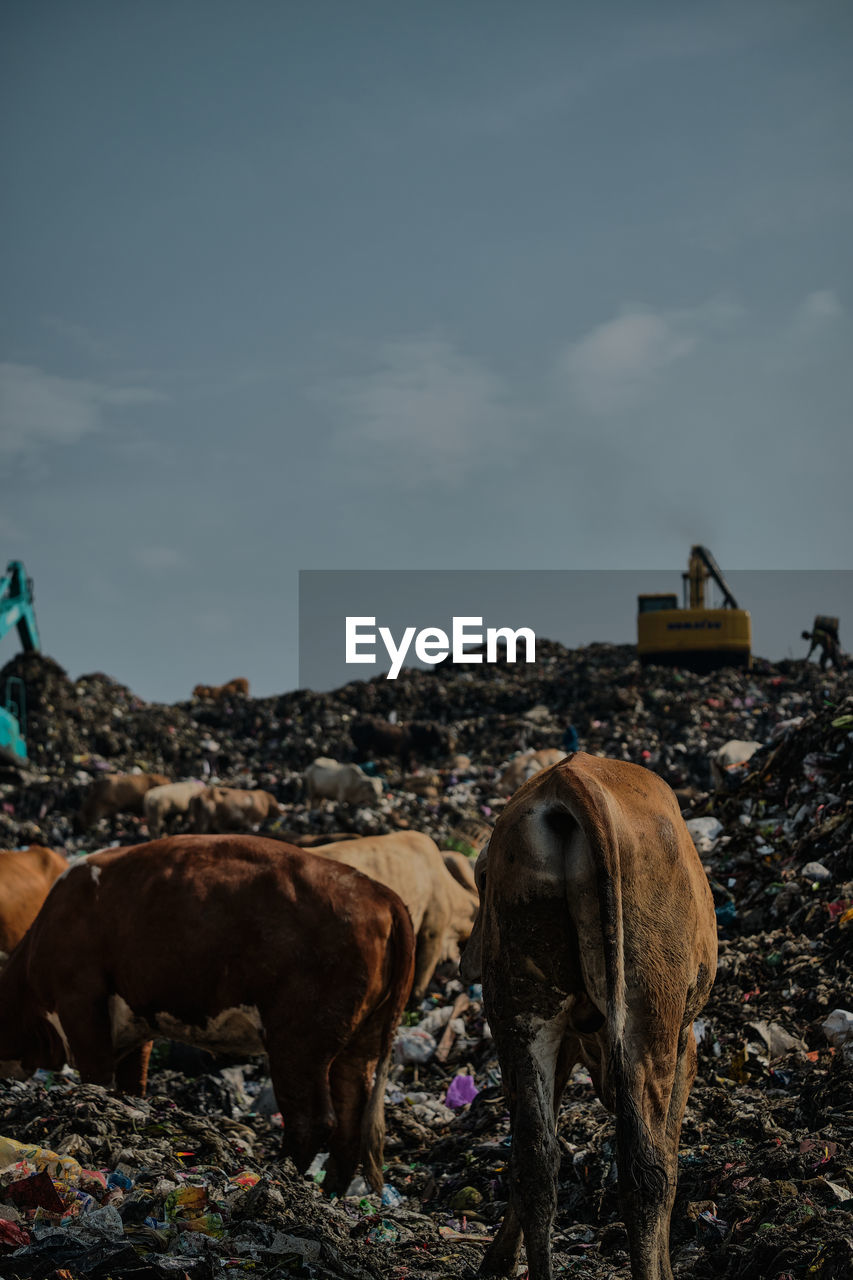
<point x="695" y="636"/>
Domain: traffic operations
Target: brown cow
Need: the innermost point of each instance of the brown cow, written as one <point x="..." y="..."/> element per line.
<point x="25" y="878"/>
<point x="234" y="944"/>
<point x="230" y="809"/>
<point x="596" y="942"/>
<point x="409" y="862"/>
<point x="404" y="742"/>
<point x="117" y="793"/>
<point x="215" y="692"/>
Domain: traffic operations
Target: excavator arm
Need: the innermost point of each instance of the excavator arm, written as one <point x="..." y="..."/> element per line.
<point x="16" y="606"/>
<point x="702" y="566"/>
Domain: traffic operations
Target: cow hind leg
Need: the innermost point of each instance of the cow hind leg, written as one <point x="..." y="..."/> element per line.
<point x="536" y="1070"/>
<point x="685" y="1073"/>
<point x="90" y="1040"/>
<point x="427" y="955"/>
<point x="131" y="1071"/>
<point x="350" y="1078"/>
<point x="650" y="1106"/>
<point x="300" y="1081"/>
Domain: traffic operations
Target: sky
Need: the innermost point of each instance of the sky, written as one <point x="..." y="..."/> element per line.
<point x="308" y="284"/>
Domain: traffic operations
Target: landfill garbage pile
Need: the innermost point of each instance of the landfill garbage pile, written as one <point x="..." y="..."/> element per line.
<point x="766" y="1164"/>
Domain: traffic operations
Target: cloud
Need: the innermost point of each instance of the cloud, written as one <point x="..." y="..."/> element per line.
<point x="425" y="411"/>
<point x="158" y="559"/>
<point x="39" y="409"/>
<point x="619" y="362"/>
<point x="818" y="309"/>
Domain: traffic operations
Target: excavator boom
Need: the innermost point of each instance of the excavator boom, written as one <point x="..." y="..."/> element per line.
<point x="702" y="566"/>
<point x="16" y="610"/>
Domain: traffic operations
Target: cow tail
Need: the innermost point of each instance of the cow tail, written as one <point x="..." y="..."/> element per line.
<point x="641" y="1170"/>
<point x="400" y="972"/>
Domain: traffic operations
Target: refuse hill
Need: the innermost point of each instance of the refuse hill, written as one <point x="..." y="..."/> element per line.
<point x="766" y="1165"/>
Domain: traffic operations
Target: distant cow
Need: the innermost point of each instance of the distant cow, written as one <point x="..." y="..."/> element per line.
<point x="25" y="878"/>
<point x="728" y="757"/>
<point x="326" y="779"/>
<point x="233" y="944"/>
<point x="117" y="793"/>
<point x="525" y="766"/>
<point x="409" y="862"/>
<point x="230" y="809"/>
<point x="377" y="739"/>
<point x="163" y="804"/>
<point x="214" y="692"/>
<point x="596" y="943"/>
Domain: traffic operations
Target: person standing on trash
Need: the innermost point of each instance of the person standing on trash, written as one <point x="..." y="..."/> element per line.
<point x="571" y="742"/>
<point x="825" y="638"/>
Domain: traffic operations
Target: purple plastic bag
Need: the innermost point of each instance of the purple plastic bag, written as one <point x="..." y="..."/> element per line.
<point x="461" y="1091"/>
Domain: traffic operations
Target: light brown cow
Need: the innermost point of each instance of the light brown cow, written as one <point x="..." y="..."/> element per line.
<point x="410" y="863"/>
<point x="461" y="868"/>
<point x="25" y="878"/>
<point x="215" y="692"/>
<point x="596" y="942"/>
<point x="163" y="804"/>
<point x="117" y="793"/>
<point x="234" y="944"/>
<point x="230" y="809"/>
<point x="525" y="766"/>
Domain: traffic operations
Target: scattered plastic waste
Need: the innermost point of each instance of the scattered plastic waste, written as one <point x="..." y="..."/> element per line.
<point x="462" y="1090"/>
<point x="190" y="1181"/>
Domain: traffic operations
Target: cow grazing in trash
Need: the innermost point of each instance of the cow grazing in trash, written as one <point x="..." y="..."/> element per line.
<point x="233" y="944"/>
<point x="596" y="943"/>
<point x="327" y="779"/>
<point x="409" y="862"/>
<point x="231" y="809"/>
<point x="25" y="878"/>
<point x="526" y="766"/>
<point x="418" y="740"/>
<point x="163" y="806"/>
<point x="117" y="793"/>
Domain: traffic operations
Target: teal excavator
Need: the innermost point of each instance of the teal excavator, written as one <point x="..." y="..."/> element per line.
<point x="16" y="610"/>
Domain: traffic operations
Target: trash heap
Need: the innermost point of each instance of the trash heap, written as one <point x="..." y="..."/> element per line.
<point x="189" y="1181"/>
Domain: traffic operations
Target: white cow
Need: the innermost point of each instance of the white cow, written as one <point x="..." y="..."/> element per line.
<point x="327" y="779"/>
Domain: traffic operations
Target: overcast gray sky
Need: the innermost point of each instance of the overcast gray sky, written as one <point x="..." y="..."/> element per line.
<point x="375" y="285"/>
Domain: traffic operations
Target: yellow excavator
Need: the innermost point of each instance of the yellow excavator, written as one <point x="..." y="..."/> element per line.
<point x="695" y="636"/>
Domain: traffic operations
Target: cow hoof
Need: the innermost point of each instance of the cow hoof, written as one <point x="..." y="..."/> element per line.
<point x="496" y="1263"/>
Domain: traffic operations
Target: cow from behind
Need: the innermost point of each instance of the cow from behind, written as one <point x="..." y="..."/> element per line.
<point x="595" y="943"/>
<point x="234" y="944"/>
